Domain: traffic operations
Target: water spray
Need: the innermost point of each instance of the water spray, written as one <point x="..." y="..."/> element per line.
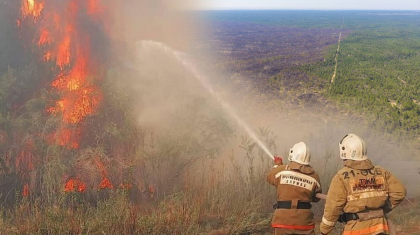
<point x="181" y="58"/>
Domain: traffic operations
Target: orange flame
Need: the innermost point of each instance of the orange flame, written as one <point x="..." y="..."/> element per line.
<point x="74" y="185"/>
<point x="66" y="137"/>
<point x="63" y="50"/>
<point x="44" y="38"/>
<point x="32" y="8"/>
<point x="25" y="191"/>
<point x="66" y="43"/>
<point x="106" y="183"/>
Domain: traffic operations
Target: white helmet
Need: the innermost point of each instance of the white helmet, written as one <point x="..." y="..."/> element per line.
<point x="300" y="153"/>
<point x="352" y="147"/>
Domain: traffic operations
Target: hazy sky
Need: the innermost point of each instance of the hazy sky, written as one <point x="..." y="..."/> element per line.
<point x="312" y="4"/>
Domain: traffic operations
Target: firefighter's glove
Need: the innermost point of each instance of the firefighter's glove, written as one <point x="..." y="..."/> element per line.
<point x="278" y="160"/>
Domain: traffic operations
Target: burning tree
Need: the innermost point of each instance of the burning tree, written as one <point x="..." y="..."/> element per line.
<point x="65" y="40"/>
<point x="66" y="36"/>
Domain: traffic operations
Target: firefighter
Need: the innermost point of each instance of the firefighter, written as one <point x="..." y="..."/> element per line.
<point x="364" y="192"/>
<point x="296" y="184"/>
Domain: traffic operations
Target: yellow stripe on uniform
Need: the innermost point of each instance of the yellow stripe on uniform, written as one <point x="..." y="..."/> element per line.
<point x="358" y="196"/>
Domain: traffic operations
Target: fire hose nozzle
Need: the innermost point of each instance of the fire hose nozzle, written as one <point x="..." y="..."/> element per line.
<point x="278" y="160"/>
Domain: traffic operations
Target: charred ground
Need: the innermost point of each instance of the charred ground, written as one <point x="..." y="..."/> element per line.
<point x="266" y="57"/>
<point x="260" y="51"/>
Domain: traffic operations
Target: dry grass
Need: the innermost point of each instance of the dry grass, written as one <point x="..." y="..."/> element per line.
<point x="206" y="199"/>
<point x="232" y="199"/>
<point x="225" y="202"/>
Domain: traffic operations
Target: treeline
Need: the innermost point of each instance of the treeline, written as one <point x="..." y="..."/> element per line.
<point x="353" y="20"/>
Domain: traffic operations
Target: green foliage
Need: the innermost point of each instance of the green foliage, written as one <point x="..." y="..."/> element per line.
<point x="377" y="72"/>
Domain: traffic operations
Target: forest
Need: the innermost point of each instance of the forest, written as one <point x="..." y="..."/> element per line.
<point x="377" y="73"/>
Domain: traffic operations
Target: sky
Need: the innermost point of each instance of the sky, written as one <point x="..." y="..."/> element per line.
<point x="310" y="4"/>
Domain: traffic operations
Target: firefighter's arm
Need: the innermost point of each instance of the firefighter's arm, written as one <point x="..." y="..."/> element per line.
<point x="318" y="189"/>
<point x="271" y="176"/>
<point x="336" y="200"/>
<point x="396" y="192"/>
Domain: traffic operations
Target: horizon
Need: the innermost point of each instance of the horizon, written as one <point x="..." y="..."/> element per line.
<point x="376" y="5"/>
<point x="279" y="9"/>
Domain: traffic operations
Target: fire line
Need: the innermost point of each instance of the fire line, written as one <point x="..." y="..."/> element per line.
<point x="65" y="42"/>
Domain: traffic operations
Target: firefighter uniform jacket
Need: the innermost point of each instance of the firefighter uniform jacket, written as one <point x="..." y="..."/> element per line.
<point x="360" y="187"/>
<point x="295" y="183"/>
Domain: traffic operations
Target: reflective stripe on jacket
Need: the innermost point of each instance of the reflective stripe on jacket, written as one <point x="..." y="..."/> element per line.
<point x="375" y="229"/>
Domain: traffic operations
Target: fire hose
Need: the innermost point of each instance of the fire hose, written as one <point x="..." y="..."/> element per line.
<point x="321" y="196"/>
<point x="391" y="226"/>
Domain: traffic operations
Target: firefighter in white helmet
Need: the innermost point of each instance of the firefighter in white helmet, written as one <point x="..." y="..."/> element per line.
<point x="360" y="194"/>
<point x="296" y="184"/>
